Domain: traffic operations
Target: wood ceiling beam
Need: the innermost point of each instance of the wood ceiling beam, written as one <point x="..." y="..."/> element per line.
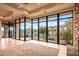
<point x="53" y="12"/>
<point x="16" y="6"/>
<point x="45" y="7"/>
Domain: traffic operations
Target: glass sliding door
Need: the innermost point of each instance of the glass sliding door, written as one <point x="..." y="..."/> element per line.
<point x="52" y="29"/>
<point x="28" y="29"/>
<point x="22" y="29"/>
<point x="5" y="30"/>
<point x="11" y="31"/>
<point x="65" y="28"/>
<point x="17" y="29"/>
<point x="14" y="30"/>
<point x="42" y="29"/>
<point x="35" y="29"/>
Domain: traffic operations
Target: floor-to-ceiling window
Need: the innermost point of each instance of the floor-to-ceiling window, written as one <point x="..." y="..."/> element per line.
<point x="5" y="30"/>
<point x="22" y="29"/>
<point x="35" y="29"/>
<point x="17" y="29"/>
<point x="52" y="29"/>
<point x="42" y="29"/>
<point x="13" y="30"/>
<point x="65" y="27"/>
<point x="28" y="29"/>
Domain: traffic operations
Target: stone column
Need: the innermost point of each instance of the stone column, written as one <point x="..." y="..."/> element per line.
<point x="76" y="27"/>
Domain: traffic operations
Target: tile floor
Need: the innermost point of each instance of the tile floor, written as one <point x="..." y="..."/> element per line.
<point x="9" y="43"/>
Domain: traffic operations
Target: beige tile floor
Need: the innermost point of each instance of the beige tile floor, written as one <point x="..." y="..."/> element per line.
<point x="9" y="43"/>
<point x="62" y="48"/>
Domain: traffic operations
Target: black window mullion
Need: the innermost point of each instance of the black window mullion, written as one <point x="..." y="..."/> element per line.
<point x="46" y="28"/>
<point x="19" y="29"/>
<point x="15" y="29"/>
<point x="38" y="29"/>
<point x="31" y="29"/>
<point x="9" y="29"/>
<point x="24" y="28"/>
<point x="57" y="28"/>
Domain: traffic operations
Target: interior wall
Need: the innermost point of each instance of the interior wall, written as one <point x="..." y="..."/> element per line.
<point x="0" y="28"/>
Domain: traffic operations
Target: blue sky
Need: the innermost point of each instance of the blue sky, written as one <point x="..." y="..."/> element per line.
<point x="50" y="23"/>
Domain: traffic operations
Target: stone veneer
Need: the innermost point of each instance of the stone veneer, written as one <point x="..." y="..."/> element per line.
<point x="76" y="26"/>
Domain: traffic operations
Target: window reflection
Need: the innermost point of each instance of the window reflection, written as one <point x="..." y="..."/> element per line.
<point x="17" y="29"/>
<point x="35" y="29"/>
<point x="66" y="28"/>
<point x="52" y="29"/>
<point x="22" y="29"/>
<point x="42" y="29"/>
<point x="28" y="29"/>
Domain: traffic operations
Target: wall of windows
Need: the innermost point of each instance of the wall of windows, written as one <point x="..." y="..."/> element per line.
<point x="17" y="29"/>
<point x="28" y="29"/>
<point x="13" y="30"/>
<point x="52" y="29"/>
<point x="59" y="23"/>
<point x="22" y="29"/>
<point x="35" y="29"/>
<point x="42" y="29"/>
<point x="65" y="28"/>
<point x="5" y="30"/>
<point x="55" y="28"/>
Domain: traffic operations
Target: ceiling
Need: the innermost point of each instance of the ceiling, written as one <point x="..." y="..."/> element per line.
<point x="12" y="11"/>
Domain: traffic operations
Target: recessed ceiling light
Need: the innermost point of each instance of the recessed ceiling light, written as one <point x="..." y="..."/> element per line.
<point x="45" y="11"/>
<point x="25" y="12"/>
<point x="20" y="6"/>
<point x="38" y="3"/>
<point x="13" y="12"/>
